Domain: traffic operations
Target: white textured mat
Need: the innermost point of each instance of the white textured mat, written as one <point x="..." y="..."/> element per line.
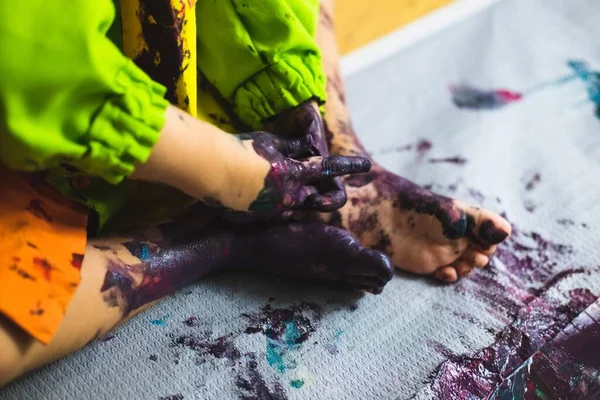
<point x="538" y="160"/>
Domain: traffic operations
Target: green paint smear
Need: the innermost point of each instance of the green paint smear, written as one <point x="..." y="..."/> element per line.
<point x="540" y="394"/>
<point x="298" y="383"/>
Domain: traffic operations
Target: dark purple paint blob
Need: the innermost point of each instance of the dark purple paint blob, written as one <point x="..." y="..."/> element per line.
<point x="464" y="96"/>
<point x="192" y="321"/>
<point x="533" y="182"/>
<point x="530" y="206"/>
<point x="202" y="344"/>
<point x="457" y="160"/>
<point x="252" y="386"/>
<point x="421" y="147"/>
<point x="172" y="397"/>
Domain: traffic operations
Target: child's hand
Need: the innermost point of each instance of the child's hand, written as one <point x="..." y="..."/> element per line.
<point x="303" y="120"/>
<point x="291" y="184"/>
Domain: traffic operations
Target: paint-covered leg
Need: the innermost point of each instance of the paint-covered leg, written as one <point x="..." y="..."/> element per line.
<point x="180" y="252"/>
<point x="122" y="275"/>
<point x="422" y="232"/>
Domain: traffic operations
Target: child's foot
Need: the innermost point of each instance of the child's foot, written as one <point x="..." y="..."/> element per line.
<point x="422" y="232"/>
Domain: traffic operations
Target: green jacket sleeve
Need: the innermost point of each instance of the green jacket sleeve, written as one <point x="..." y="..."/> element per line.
<point x="68" y="94"/>
<point x="261" y="55"/>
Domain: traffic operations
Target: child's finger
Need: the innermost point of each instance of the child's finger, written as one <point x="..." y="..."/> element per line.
<point x="319" y="168"/>
<point x="296" y="148"/>
<point x="330" y="197"/>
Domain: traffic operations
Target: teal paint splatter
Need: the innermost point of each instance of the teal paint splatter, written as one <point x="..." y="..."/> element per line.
<point x="590" y="78"/>
<point x="161" y="321"/>
<point x="292" y="334"/>
<point x="297" y="383"/>
<point x="144" y="253"/>
<point x="278" y="352"/>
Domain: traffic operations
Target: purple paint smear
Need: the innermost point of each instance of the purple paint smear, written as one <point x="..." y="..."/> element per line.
<point x="464" y="96"/>
<point x="565" y="368"/>
<point x="450" y="160"/>
<point x="515" y="289"/>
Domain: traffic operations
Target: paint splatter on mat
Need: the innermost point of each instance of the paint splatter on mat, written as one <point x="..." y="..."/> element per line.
<point x="465" y="96"/>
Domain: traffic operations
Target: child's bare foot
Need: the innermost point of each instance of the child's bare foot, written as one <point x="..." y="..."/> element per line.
<point x="422" y="232"/>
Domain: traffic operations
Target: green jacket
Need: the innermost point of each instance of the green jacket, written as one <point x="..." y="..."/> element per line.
<point x="69" y="96"/>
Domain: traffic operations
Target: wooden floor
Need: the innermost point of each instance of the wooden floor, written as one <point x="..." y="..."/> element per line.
<point x="360" y="21"/>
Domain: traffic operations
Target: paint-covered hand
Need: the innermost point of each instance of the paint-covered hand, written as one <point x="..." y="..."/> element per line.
<point x="294" y="177"/>
<point x="304" y="120"/>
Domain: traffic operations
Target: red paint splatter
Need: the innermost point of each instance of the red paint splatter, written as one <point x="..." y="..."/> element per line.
<point x="16" y="259"/>
<point x="35" y="208"/>
<point x="509" y="96"/>
<point x="44" y="265"/>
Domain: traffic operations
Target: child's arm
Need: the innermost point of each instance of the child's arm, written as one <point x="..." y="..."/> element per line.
<point x="251" y="172"/>
<point x="68" y="95"/>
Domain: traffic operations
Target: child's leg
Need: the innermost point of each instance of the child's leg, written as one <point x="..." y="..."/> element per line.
<point x="422" y="232"/>
<point x="122" y="275"/>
